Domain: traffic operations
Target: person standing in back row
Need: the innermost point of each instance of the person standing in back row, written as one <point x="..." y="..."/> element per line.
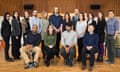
<point x="80" y="29"/>
<point x="112" y="28"/>
<point x="100" y="30"/>
<point x="57" y="21"/>
<point x="16" y="35"/>
<point x="75" y="18"/>
<point x="45" y="23"/>
<point x="25" y="25"/>
<point x="6" y="33"/>
<point x="34" y="20"/>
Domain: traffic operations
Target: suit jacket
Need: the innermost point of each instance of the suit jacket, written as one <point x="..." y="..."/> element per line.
<point x="16" y="28"/>
<point x="5" y="29"/>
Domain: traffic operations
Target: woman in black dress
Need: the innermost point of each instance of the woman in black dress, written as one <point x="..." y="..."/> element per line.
<point x="100" y="29"/>
<point x="6" y="33"/>
<point x="91" y="21"/>
<point x="66" y="20"/>
<point x="16" y="35"/>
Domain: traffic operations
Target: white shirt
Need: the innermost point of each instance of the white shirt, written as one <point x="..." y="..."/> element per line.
<point x="80" y="27"/>
<point x="68" y="38"/>
<point x="35" y="21"/>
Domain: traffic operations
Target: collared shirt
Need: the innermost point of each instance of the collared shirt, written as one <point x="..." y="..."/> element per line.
<point x="56" y="20"/>
<point x="91" y="40"/>
<point x="112" y="26"/>
<point x="35" y="21"/>
<point x="68" y="38"/>
<point x="75" y="19"/>
<point x="80" y="27"/>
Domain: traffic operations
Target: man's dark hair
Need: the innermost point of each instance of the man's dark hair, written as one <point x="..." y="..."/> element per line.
<point x="111" y="11"/>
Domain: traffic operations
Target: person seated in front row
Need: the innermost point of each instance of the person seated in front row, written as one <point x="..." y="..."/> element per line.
<point x="31" y="45"/>
<point x="90" y="42"/>
<point x="69" y="40"/>
<point x="49" y="44"/>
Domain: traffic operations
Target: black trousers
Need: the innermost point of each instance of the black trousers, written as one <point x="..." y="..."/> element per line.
<point x="80" y="47"/>
<point x="16" y="44"/>
<point x="92" y="56"/>
<point x="43" y="49"/>
<point x="7" y="46"/>
<point x="49" y="52"/>
<point x="58" y="43"/>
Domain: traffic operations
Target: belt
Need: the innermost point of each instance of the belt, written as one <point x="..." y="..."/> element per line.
<point x="110" y="35"/>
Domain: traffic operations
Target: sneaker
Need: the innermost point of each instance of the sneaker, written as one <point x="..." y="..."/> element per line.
<point x="34" y="64"/>
<point x="27" y="66"/>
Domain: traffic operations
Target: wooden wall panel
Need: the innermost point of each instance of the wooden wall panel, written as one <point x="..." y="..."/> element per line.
<point x="10" y="6"/>
<point x="64" y="5"/>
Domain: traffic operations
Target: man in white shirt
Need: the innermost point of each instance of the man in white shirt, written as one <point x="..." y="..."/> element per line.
<point x="34" y="20"/>
<point x="69" y="40"/>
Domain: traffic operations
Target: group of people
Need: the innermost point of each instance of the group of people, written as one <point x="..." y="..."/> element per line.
<point x="81" y="29"/>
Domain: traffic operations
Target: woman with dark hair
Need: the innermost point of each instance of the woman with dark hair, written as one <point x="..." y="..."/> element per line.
<point x="25" y="25"/>
<point x="6" y="32"/>
<point x="80" y="29"/>
<point x="91" y="21"/>
<point x="85" y="17"/>
<point x="66" y="20"/>
<point x="16" y="35"/>
<point x="49" y="44"/>
<point x="100" y="29"/>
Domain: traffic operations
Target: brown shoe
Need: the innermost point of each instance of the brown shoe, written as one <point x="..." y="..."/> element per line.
<point x="83" y="67"/>
<point x="90" y="69"/>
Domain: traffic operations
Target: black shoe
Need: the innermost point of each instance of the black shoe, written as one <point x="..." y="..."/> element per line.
<point x="90" y="69"/>
<point x="78" y="60"/>
<point x="34" y="64"/>
<point x="10" y="60"/>
<point x="100" y="59"/>
<point x="27" y="66"/>
<point x="47" y="63"/>
<point x="83" y="67"/>
<point x="18" y="58"/>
